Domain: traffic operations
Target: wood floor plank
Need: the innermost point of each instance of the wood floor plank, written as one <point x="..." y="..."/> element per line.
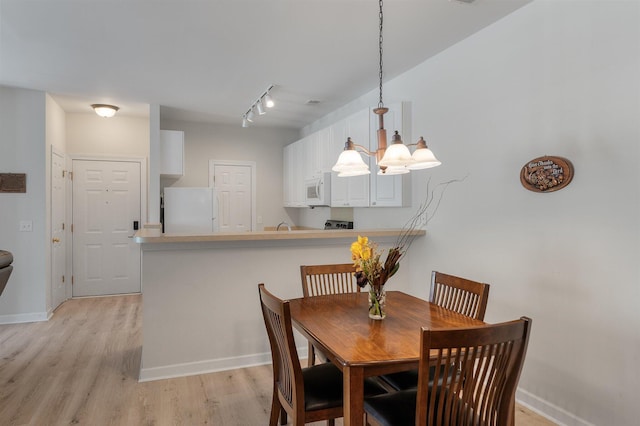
<point x="81" y="368"/>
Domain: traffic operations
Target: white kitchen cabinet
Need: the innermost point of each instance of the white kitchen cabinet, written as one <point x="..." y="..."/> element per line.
<point x="318" y="152"/>
<point x="294" y="174"/>
<point x="287" y="176"/>
<point x="350" y="191"/>
<point x="394" y="190"/>
<point x="171" y="153"/>
<point x="321" y="155"/>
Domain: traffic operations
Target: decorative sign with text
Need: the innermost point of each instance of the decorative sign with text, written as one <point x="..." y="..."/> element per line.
<point x="546" y="174"/>
<point x="13" y="182"/>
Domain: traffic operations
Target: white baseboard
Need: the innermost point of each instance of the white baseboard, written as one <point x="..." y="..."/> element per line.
<point x="20" y="318"/>
<point x="208" y="366"/>
<point x="548" y="410"/>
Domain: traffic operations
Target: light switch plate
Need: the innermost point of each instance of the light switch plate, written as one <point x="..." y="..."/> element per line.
<point x="26" y="226"/>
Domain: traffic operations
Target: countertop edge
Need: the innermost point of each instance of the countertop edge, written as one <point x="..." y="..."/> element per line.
<point x="154" y="236"/>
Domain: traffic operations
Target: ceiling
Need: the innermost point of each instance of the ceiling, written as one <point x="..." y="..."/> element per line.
<point x="209" y="60"/>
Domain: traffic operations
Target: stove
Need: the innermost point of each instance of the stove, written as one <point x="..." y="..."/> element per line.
<point x="338" y="224"/>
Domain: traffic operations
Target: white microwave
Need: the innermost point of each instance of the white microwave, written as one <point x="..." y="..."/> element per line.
<point x="317" y="190"/>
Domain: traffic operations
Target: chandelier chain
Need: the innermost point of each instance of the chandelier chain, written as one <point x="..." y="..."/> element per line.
<point x="380" y="104"/>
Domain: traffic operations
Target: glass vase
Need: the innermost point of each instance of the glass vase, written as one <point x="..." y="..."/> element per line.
<point x="377" y="299"/>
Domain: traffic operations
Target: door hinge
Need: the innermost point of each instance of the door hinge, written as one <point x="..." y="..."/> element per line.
<point x="64" y="172"/>
<point x="63" y="278"/>
<point x="63" y="226"/>
<point x="72" y="227"/>
<point x="71" y="175"/>
<point x="72" y="280"/>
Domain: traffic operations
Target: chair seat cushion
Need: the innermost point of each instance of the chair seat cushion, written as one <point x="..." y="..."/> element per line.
<point x="393" y="409"/>
<point x="323" y="387"/>
<point x="399" y="409"/>
<point x="404" y="380"/>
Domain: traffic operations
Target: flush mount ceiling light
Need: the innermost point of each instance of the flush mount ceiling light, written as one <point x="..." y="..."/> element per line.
<point x="105" y="110"/>
<point x="392" y="160"/>
<point x="264" y="101"/>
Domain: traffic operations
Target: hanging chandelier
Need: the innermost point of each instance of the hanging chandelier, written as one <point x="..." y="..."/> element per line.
<point x="393" y="159"/>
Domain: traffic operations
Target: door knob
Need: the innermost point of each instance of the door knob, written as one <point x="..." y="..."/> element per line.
<point x="56" y="240"/>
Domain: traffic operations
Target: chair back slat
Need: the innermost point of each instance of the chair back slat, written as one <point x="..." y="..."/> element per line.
<point x="319" y="280"/>
<point x="461" y="295"/>
<point x="285" y="361"/>
<point x="487" y="362"/>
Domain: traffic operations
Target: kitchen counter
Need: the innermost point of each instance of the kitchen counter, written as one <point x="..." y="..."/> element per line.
<point x="154" y="236"/>
<point x="200" y="305"/>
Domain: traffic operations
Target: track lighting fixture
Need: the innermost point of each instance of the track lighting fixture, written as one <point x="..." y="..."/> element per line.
<point x="265" y="100"/>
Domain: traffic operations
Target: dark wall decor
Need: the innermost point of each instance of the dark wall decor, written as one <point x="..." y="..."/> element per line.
<point x="13" y="182"/>
<point x="546" y="174"/>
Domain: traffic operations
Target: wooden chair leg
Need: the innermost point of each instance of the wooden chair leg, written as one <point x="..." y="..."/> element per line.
<point x="283" y="416"/>
<point x="311" y="358"/>
<point x="331" y="422"/>
<point x="276" y="409"/>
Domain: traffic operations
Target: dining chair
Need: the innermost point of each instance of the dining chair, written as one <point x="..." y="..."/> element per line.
<point x="318" y="280"/>
<point x="482" y="393"/>
<point x="306" y="394"/>
<point x="461" y="295"/>
<point x="457" y="294"/>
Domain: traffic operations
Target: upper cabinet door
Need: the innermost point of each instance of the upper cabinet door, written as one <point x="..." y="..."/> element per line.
<point x="350" y="191"/>
<point x="358" y="131"/>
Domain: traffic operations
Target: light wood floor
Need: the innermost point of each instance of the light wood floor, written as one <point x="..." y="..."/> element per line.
<point x="81" y="368"/>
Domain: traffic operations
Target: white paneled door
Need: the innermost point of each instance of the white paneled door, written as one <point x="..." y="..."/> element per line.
<point x="234" y="189"/>
<point x="58" y="240"/>
<point x="106" y="203"/>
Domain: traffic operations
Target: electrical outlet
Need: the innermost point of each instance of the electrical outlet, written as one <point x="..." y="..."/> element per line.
<point x="26" y="226"/>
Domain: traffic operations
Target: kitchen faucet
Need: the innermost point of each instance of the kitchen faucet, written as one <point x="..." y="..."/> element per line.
<point x="285" y="224"/>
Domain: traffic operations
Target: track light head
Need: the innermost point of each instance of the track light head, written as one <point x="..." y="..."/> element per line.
<point x="260" y="108"/>
<point x="268" y="101"/>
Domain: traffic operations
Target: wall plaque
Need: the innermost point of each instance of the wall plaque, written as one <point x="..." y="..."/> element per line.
<point x="546" y="174"/>
<point x="13" y="182"/>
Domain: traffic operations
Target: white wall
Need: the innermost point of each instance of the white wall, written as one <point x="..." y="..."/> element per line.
<point x="22" y="150"/>
<point x="205" y="141"/>
<point x="553" y="78"/>
<point x="120" y="135"/>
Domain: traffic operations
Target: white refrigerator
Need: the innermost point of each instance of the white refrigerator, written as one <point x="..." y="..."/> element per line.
<point x="190" y="210"/>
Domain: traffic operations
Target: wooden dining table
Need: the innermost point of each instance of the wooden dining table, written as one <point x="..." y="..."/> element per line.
<point x="339" y="325"/>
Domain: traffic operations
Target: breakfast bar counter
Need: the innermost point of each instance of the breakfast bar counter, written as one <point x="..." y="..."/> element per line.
<point x="200" y="305"/>
<point x="154" y="236"/>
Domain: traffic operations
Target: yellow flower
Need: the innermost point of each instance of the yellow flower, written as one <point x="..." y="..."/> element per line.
<point x="360" y="249"/>
<point x="366" y="259"/>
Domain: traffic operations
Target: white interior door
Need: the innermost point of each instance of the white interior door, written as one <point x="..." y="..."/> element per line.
<point x="106" y="202"/>
<point x="58" y="240"/>
<point x="234" y="187"/>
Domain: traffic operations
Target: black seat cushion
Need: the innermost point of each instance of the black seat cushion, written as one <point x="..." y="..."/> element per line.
<point x="399" y="408"/>
<point x="323" y="387"/>
<point x="393" y="409"/>
<point x="404" y="380"/>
